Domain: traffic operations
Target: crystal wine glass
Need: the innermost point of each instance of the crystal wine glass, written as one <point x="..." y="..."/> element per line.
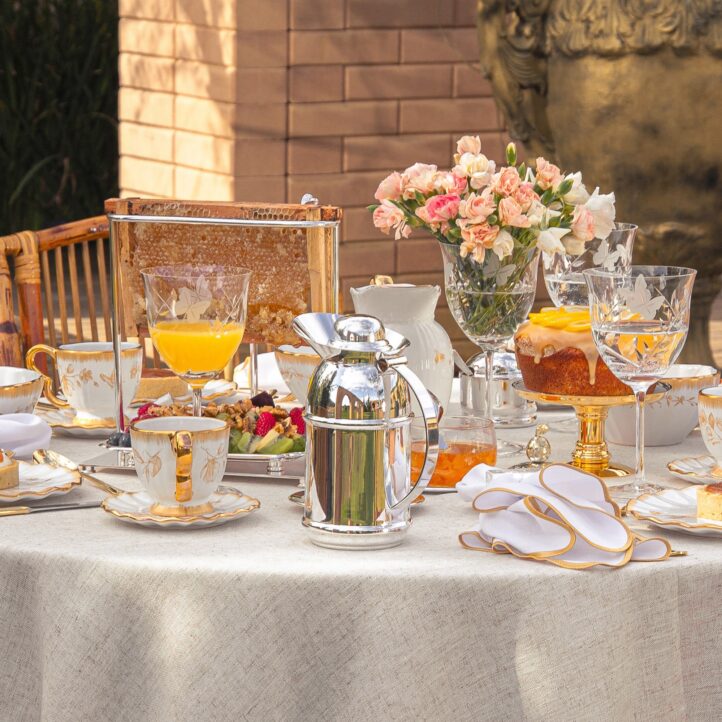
<point x="489" y="301"/>
<point x="564" y="272"/>
<point x="640" y="321"/>
<point x="196" y="319"/>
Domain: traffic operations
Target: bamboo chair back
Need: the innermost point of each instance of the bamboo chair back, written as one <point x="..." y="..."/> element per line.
<point x="60" y="275"/>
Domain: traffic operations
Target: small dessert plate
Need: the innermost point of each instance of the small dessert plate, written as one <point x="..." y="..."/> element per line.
<point x="676" y="510"/>
<point x="135" y="507"/>
<point x="64" y="420"/>
<point x="39" y="481"/>
<point x="696" y="469"/>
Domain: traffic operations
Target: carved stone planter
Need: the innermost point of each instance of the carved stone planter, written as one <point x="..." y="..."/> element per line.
<point x="629" y="92"/>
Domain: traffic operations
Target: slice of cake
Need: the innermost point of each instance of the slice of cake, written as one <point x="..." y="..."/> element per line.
<point x="9" y="470"/>
<point x="556" y="354"/>
<point x="709" y="502"/>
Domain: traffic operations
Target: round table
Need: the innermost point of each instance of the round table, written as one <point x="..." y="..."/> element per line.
<point x="107" y="621"/>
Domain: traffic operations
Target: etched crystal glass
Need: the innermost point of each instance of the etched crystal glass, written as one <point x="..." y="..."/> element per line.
<point x="640" y="321"/>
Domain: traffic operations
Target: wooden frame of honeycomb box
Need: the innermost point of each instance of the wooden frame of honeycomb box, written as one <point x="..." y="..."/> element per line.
<point x="294" y="267"/>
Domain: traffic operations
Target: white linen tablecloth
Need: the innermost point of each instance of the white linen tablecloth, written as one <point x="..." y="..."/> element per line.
<point x="106" y="621"/>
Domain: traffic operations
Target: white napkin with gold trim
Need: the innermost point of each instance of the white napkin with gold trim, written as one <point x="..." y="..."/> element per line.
<point x="561" y="515"/>
<point x="23" y="434"/>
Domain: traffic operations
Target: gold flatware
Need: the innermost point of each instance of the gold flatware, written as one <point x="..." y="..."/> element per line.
<point x="53" y="458"/>
<point x="16" y="510"/>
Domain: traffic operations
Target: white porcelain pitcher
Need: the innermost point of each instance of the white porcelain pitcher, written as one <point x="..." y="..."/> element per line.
<point x="409" y="310"/>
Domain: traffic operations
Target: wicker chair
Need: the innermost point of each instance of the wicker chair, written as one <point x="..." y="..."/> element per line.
<point x="67" y="297"/>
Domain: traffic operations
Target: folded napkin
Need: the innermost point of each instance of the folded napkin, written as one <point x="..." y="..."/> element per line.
<point x="561" y="515"/>
<point x="23" y="434"/>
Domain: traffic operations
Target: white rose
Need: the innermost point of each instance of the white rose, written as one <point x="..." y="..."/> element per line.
<point x="601" y="207"/>
<point x="477" y="167"/>
<point x="503" y="244"/>
<point x="549" y="240"/>
<point x="578" y="194"/>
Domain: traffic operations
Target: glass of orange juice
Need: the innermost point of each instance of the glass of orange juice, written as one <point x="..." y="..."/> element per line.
<point x="196" y="319"/>
<point x="464" y="442"/>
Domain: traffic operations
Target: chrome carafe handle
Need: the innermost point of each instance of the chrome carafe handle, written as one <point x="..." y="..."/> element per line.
<point x="430" y="411"/>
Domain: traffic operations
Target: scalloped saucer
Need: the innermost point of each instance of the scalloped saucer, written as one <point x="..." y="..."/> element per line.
<point x="135" y="507"/>
<point x="696" y="469"/>
<point x="39" y="481"/>
<point x="675" y="510"/>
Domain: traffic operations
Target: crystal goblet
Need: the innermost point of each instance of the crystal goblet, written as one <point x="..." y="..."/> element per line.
<point x="196" y="318"/>
<point x="564" y="272"/>
<point x="640" y="321"/>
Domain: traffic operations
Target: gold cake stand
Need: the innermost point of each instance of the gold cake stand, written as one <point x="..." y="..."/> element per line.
<point x="591" y="452"/>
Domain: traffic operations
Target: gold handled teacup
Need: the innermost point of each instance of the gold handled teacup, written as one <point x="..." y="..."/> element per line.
<point x="180" y="461"/>
<point x="87" y="377"/>
<point x="710" y="423"/>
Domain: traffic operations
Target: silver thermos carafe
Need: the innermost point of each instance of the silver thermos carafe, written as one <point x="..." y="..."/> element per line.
<point x="358" y="422"/>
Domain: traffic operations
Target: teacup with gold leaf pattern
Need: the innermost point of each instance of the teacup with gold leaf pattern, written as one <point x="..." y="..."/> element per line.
<point x="86" y="372"/>
<point x="710" y="420"/>
<point x="180" y="461"/>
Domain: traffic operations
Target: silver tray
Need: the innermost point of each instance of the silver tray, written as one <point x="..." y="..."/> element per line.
<point x="290" y="466"/>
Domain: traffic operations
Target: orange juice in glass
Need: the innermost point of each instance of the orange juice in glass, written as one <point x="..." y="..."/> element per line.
<point x="196" y="319"/>
<point x="465" y="441"/>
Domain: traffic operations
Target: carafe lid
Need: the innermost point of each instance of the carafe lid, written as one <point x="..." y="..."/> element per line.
<point x="328" y="333"/>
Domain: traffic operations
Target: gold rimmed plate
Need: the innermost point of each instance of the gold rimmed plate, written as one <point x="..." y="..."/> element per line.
<point x="39" y="481"/>
<point x="675" y="510"/>
<point x="696" y="469"/>
<point x="135" y="507"/>
<point x="64" y="420"/>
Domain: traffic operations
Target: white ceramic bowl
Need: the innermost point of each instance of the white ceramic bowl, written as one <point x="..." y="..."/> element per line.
<point x="670" y="419"/>
<point x="297" y="365"/>
<point x="20" y="390"/>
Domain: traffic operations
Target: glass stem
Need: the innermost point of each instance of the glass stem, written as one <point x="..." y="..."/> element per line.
<point x="489" y="369"/>
<point x="197" y="400"/>
<point x="640" y="395"/>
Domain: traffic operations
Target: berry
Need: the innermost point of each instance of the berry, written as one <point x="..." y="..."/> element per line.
<point x="266" y="421"/>
<point x="263" y="399"/>
<point x="297" y="420"/>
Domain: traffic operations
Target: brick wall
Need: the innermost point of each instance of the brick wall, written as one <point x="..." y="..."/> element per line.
<point x="270" y="99"/>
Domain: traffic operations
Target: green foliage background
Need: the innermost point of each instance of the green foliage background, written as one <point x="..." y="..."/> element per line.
<point x="58" y="110"/>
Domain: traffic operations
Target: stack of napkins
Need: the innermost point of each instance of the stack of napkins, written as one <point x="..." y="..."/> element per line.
<point x="23" y="434"/>
<point x="560" y="515"/>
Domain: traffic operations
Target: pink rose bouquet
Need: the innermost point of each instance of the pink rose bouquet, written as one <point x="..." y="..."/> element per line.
<point x="496" y="221"/>
<point x="506" y="212"/>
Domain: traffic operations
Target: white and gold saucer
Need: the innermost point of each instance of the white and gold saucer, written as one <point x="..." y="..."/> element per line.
<point x="68" y="422"/>
<point x="675" y="510"/>
<point x="39" y="481"/>
<point x="696" y="469"/>
<point x="136" y="507"/>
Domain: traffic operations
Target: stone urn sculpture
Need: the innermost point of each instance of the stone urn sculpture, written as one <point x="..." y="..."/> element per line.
<point x="629" y="92"/>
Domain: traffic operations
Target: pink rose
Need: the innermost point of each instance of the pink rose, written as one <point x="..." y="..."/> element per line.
<point x="583" y="224"/>
<point x="390" y="187"/>
<point x="419" y="177"/>
<point x="510" y="214"/>
<point x="388" y="216"/>
<point x="469" y="144"/>
<point x="442" y="208"/>
<point x="476" y="208"/>
<point x="477" y="239"/>
<point x="524" y="195"/>
<point x="505" y="182"/>
<point x="547" y="174"/>
<point x="448" y="182"/>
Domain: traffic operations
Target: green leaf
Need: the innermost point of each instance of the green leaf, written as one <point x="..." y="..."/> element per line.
<point x="547" y="197"/>
<point x="372" y="207"/>
<point x="522" y="171"/>
<point x="564" y="187"/>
